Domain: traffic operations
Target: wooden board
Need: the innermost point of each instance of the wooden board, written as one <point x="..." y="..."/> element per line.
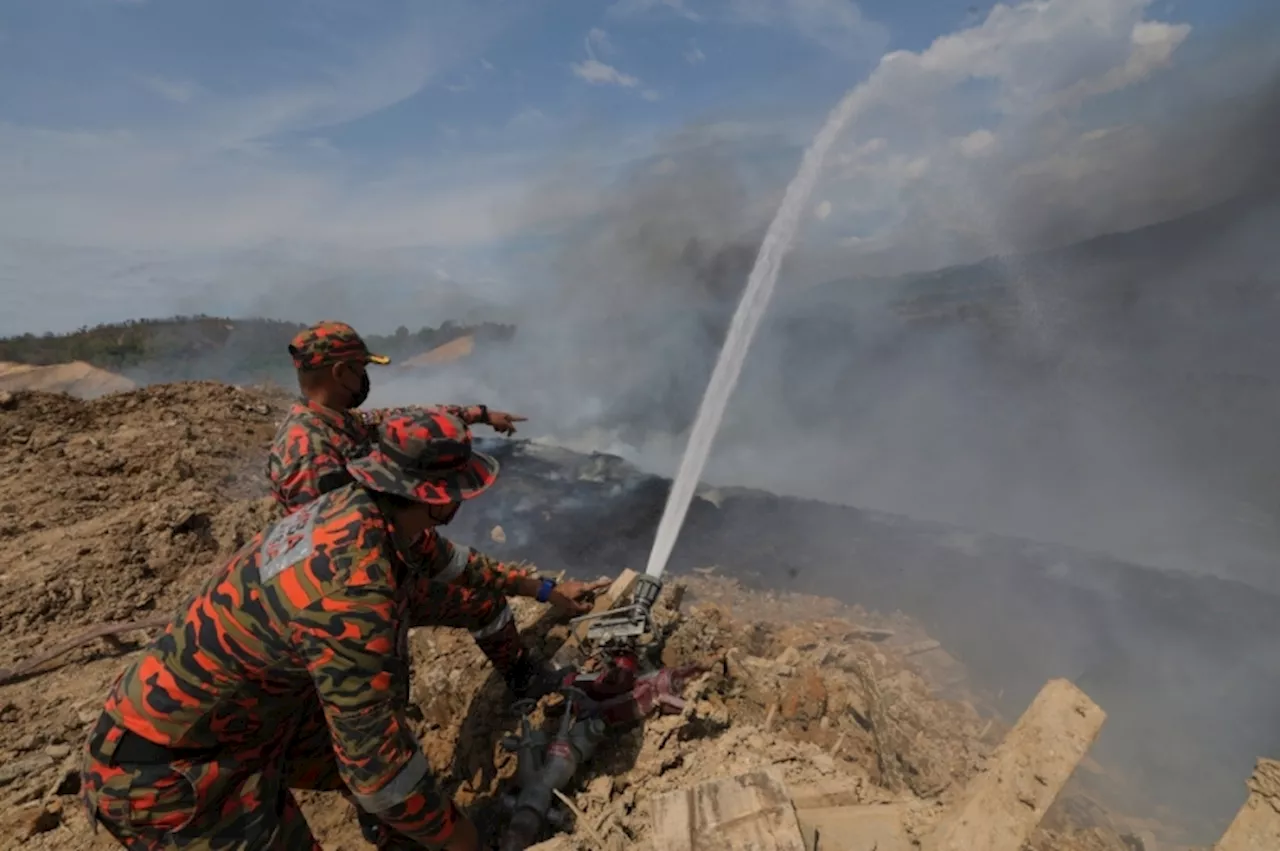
<point x="750" y="812"/>
<point x="1257" y="826"/>
<point x="1003" y="804"/>
<point x="827" y="793"/>
<point x="865" y="827"/>
<point x="621" y="587"/>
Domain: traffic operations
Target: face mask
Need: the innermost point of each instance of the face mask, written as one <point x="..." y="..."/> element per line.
<point x="359" y="395"/>
<point x="442" y="514"/>
<point x="363" y="393"/>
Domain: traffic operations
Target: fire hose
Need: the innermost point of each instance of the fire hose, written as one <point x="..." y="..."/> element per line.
<point x="622" y="692"/>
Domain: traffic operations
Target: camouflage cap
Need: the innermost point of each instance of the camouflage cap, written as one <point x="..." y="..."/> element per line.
<point x="327" y="343"/>
<point x="425" y="456"/>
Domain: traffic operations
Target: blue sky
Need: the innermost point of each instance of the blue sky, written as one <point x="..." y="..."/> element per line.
<point x="231" y="155"/>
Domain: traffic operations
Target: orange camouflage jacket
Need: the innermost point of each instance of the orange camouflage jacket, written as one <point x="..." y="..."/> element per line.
<point x="314" y="611"/>
<point x="310" y="450"/>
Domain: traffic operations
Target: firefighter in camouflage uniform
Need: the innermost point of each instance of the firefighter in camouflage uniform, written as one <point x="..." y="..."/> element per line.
<point x="308" y="455"/>
<point x="324" y="430"/>
<point x="289" y="669"/>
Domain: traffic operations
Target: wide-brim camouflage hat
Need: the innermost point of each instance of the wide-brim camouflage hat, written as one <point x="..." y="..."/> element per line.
<point x="426" y="457"/>
<point x="327" y="343"/>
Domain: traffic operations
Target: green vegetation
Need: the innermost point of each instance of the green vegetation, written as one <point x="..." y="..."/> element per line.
<point x="195" y="347"/>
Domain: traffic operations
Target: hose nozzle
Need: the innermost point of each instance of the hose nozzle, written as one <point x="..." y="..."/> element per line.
<point x="646" y="591"/>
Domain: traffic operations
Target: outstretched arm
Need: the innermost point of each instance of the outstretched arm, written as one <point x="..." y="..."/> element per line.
<point x="446" y="562"/>
<point x="500" y="421"/>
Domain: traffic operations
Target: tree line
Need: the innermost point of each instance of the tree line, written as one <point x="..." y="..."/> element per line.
<point x="199" y="346"/>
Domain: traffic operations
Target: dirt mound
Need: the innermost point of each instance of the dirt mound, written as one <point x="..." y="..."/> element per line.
<point x="112" y="509"/>
<point x="447" y="353"/>
<point x="76" y="378"/>
<point x="106" y="504"/>
<point x="832" y="695"/>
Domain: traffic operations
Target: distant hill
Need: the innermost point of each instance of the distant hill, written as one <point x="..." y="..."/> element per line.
<point x="207" y="347"/>
<point x="1222" y="257"/>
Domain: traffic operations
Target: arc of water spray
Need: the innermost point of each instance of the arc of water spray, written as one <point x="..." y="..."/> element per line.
<point x="746" y="320"/>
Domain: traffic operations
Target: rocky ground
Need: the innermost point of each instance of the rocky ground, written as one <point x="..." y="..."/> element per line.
<point x="113" y="510"/>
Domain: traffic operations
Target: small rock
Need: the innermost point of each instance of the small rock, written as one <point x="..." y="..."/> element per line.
<point x="33" y="792"/>
<point x="7" y="400"/>
<point x="824" y="763"/>
<point x="805" y="698"/>
<point x="600" y="788"/>
<point x="58" y="751"/>
<point x="789" y="657"/>
<point x="15" y="769"/>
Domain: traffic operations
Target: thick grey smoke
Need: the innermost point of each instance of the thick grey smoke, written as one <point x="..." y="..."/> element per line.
<point x="1108" y="391"/>
<point x="1110" y="395"/>
<point x="621" y="346"/>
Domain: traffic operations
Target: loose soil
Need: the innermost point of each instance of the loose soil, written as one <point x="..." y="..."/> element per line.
<point x="116" y="508"/>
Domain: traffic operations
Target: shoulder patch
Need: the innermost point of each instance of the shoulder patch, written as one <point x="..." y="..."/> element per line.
<point x="289" y="542"/>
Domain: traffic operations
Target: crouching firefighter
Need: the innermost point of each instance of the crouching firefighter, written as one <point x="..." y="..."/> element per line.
<point x="290" y="668"/>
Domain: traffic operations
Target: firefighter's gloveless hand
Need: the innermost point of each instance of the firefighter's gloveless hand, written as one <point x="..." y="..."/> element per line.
<point x="574" y="597"/>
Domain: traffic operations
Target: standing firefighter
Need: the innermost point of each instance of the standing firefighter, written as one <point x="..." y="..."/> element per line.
<point x="324" y="429"/>
<point x="289" y="669"/>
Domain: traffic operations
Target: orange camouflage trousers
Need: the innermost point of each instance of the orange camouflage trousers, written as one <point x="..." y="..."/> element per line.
<point x="241" y="800"/>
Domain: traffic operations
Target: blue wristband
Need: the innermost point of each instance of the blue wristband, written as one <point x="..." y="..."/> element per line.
<point x="545" y="589"/>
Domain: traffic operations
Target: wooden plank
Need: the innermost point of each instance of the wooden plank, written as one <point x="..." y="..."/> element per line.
<point x="750" y="812"/>
<point x="865" y="827"/>
<point x="1005" y="802"/>
<point x="1256" y="826"/>
<point x="621" y="587"/>
<point x="827" y="793"/>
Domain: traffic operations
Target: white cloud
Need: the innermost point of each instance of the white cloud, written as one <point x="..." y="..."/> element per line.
<point x="527" y="118"/>
<point x="838" y="25"/>
<point x="319" y="143"/>
<point x="976" y="144"/>
<point x="177" y="91"/>
<point x="598" y="44"/>
<point x="599" y="74"/>
<point x="694" y="55"/>
<point x="1098" y="133"/>
<point x="1153" y="44"/>
<point x="626" y="8"/>
<point x="914" y="165"/>
<point x="948" y="135"/>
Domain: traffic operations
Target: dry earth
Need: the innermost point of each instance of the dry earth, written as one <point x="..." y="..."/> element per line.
<point x="114" y="509"/>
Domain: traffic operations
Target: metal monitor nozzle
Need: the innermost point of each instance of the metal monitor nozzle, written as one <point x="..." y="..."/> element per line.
<point x="646" y="591"/>
<point x="624" y="623"/>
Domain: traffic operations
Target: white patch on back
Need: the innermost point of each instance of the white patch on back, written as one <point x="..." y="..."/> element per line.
<point x="288" y="543"/>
